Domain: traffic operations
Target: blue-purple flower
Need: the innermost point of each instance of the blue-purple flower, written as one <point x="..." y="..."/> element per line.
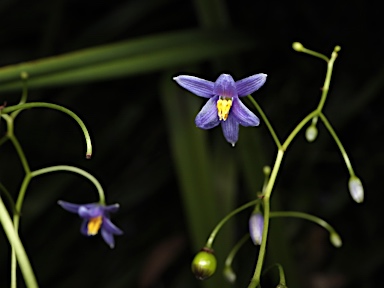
<point x="95" y="218"/>
<point x="224" y="106"/>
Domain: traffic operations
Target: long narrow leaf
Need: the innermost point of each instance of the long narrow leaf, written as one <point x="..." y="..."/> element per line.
<point x="126" y="58"/>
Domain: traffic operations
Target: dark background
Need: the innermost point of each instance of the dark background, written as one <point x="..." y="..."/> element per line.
<point x="134" y="161"/>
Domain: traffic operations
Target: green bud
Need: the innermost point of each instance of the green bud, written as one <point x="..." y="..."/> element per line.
<point x="266" y="170"/>
<point x="311" y="133"/>
<point x="335" y="240"/>
<point x="297" y="46"/>
<point x="356" y="189"/>
<point x="229" y="274"/>
<point x="204" y="264"/>
<point x="337" y="48"/>
<point x="24" y="75"/>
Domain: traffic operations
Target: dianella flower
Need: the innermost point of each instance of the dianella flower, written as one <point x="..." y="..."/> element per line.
<point x="95" y="218"/>
<point x="224" y="105"/>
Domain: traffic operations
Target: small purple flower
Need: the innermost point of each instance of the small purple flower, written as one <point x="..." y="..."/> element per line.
<point x="224" y="105"/>
<point x="95" y="217"/>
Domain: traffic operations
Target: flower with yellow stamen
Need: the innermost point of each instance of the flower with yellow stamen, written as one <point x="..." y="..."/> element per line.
<point x="224" y="106"/>
<point x="96" y="218"/>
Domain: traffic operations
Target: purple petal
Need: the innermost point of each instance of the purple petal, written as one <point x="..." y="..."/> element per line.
<point x="230" y="129"/>
<point x="84" y="227"/>
<point x="74" y="208"/>
<point x="112" y="208"/>
<point x="108" y="238"/>
<point x="243" y="115"/>
<point x="225" y="86"/>
<point x="198" y="86"/>
<point x="250" y="84"/>
<point x="90" y="213"/>
<point x="207" y="117"/>
<point x="110" y="227"/>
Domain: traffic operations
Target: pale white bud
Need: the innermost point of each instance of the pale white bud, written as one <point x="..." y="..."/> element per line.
<point x="356" y="189"/>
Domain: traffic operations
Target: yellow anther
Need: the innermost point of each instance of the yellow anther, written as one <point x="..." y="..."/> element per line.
<point x="94" y="225"/>
<point x="223" y="107"/>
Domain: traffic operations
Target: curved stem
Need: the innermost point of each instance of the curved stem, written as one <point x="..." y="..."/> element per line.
<point x="59" y="108"/>
<point x="264" y="117"/>
<point x="235" y="249"/>
<point x="298" y="128"/>
<point x="226" y="218"/>
<point x="281" y="273"/>
<point x="327" y="80"/>
<point x="21" y="154"/>
<point x="24" y="95"/>
<point x="314" y="53"/>
<point x="8" y="196"/>
<point x="338" y="142"/>
<point x="77" y="171"/>
<point x="305" y="216"/>
<point x="17" y="247"/>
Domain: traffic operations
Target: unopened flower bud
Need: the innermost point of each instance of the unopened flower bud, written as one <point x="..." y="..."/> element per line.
<point x="335" y="240"/>
<point x="256" y="225"/>
<point x="297" y="46"/>
<point x="266" y="170"/>
<point x="24" y="75"/>
<point x="229" y="274"/>
<point x="356" y="189"/>
<point x="311" y="133"/>
<point x="204" y="264"/>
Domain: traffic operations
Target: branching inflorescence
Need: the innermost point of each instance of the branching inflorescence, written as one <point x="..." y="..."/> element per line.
<point x="224" y="107"/>
<point x="95" y="215"/>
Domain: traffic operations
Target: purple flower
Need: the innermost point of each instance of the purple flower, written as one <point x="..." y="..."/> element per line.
<point x="224" y="105"/>
<point x="95" y="217"/>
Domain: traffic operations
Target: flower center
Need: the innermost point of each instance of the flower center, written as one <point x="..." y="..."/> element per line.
<point x="94" y="225"/>
<point x="223" y="107"/>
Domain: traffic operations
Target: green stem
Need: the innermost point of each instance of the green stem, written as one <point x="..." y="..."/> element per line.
<point x="327" y="80"/>
<point x="264" y="117"/>
<point x="16" y="220"/>
<point x="24" y="95"/>
<point x="266" y="201"/>
<point x="74" y="170"/>
<point x="298" y="128"/>
<point x="235" y="249"/>
<point x="17" y="247"/>
<point x="305" y="216"/>
<point x="281" y="273"/>
<point x="314" y="53"/>
<point x="268" y="190"/>
<point x="11" y="136"/>
<point x="3" y="140"/>
<point x="338" y="142"/>
<point x="23" y="189"/>
<point x="59" y="108"/>
<point x="225" y="219"/>
<point x="21" y="154"/>
<point x="8" y="196"/>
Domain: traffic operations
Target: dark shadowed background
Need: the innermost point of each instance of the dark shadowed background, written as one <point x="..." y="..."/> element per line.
<point x="175" y="182"/>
